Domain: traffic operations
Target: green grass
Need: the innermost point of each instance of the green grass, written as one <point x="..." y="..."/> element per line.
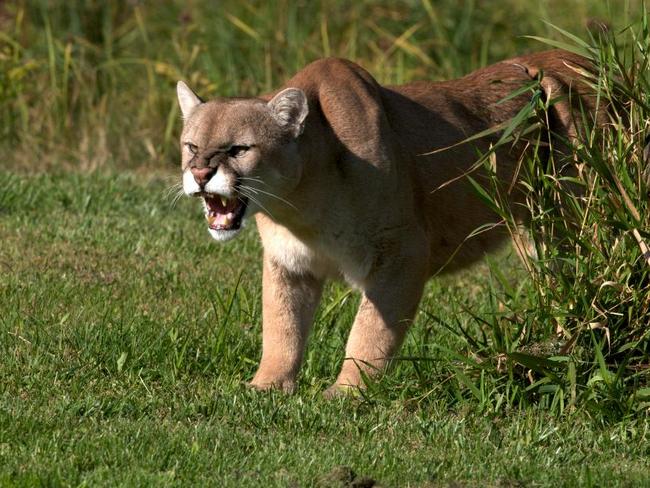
<point x="127" y="335"/>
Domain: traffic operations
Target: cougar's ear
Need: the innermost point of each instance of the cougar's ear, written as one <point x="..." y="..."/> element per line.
<point x="289" y="108"/>
<point x="187" y="99"/>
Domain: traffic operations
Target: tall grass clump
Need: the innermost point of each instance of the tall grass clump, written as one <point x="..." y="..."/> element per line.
<point x="577" y="333"/>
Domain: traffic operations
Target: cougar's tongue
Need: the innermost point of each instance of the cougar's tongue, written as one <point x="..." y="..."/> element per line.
<point x="221" y="211"/>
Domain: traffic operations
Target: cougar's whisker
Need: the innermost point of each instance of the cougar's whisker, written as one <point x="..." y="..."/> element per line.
<point x="245" y="192"/>
<point x="277" y="198"/>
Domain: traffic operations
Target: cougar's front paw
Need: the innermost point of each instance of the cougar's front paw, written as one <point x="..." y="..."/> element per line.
<point x="338" y="390"/>
<point x="264" y="383"/>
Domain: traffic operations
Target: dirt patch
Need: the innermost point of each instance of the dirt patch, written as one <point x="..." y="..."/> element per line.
<point x="345" y="477"/>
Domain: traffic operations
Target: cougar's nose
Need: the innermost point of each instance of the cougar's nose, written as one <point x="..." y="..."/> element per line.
<point x="202" y="175"/>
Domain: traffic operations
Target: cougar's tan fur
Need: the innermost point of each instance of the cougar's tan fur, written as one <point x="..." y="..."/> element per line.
<point x="345" y="189"/>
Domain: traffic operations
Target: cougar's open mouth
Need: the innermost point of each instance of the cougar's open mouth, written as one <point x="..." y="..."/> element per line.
<point x="224" y="213"/>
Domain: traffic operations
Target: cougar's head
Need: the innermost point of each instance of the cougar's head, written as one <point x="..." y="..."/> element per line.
<point x="240" y="155"/>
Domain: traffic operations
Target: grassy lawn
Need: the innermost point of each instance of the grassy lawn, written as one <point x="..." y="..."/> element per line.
<point x="127" y="335"/>
<point x="127" y="339"/>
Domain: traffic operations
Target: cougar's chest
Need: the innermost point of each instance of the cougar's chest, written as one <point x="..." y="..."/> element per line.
<point x="325" y="256"/>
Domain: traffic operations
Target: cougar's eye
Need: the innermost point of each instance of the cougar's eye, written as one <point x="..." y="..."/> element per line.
<point x="237" y="151"/>
<point x="191" y="147"/>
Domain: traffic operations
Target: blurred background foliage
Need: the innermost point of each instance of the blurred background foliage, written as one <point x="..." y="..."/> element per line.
<point x="90" y="84"/>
